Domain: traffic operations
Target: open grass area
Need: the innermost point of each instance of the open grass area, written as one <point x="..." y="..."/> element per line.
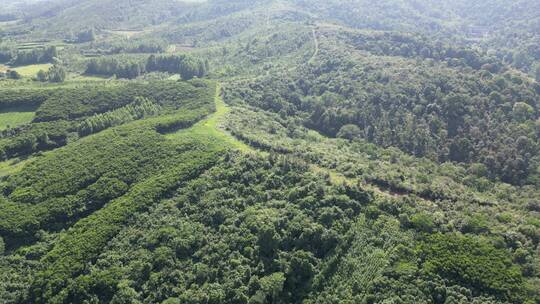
<point x="125" y="33"/>
<point x="12" y="119"/>
<point x="11" y="166"/>
<point x="211" y="126"/>
<point x="31" y="70"/>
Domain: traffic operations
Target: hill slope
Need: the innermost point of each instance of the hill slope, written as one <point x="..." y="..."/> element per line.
<point x="272" y="151"/>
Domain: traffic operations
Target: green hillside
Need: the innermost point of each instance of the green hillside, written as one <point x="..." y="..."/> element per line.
<point x="269" y="151"/>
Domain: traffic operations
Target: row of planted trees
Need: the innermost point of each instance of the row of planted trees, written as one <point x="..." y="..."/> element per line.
<point x="9" y="54"/>
<point x="187" y="66"/>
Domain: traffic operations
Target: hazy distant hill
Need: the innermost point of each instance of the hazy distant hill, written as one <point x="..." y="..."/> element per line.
<point x="58" y="16"/>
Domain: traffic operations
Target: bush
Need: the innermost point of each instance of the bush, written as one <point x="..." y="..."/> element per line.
<point x="349" y="132"/>
<point x="422" y="222"/>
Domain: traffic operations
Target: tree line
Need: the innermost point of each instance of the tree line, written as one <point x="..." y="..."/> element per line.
<point x="140" y="108"/>
<point x="22" y="57"/>
<point x="187" y="66"/>
<point x="60" y="111"/>
<point x="54" y="74"/>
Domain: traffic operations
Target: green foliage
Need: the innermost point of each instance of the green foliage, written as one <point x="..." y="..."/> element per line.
<point x="446" y="112"/>
<point x="15" y="117"/>
<point x="86" y="36"/>
<point x="69" y="18"/>
<point x="522" y="111"/>
<point x="86" y="239"/>
<point x="12" y="74"/>
<point x="56" y="74"/>
<point x="475" y="224"/>
<point x="129" y="46"/>
<point x="71" y="182"/>
<point x="139" y="109"/>
<point x="370" y="136"/>
<point x="251" y="248"/>
<point x="55" y="119"/>
<point x="113" y="67"/>
<point x="7" y="53"/>
<point x="359" y="261"/>
<point x="29" y="138"/>
<point x="41" y="76"/>
<point x="437" y="207"/>
<point x="349" y="132"/>
<point x="474" y="263"/>
<point x="422" y="222"/>
<point x="40" y="55"/>
<point x="23" y="97"/>
<point x="187" y="66"/>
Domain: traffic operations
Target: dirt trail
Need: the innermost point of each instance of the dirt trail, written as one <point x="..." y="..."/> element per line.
<point x="316" y="42"/>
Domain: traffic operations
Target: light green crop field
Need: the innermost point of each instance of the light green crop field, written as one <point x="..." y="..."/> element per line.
<point x="31" y="70"/>
<point x="12" y="119"/>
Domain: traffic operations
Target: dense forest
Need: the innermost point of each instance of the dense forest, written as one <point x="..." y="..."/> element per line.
<point x="270" y="151"/>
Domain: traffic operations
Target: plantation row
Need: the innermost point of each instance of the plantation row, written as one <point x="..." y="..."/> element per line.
<point x="16" y="57"/>
<point x="260" y="229"/>
<point x="62" y="186"/>
<point x="61" y="114"/>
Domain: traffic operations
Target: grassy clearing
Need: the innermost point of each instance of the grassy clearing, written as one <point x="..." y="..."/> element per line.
<point x="31" y="70"/>
<point x="126" y="33"/>
<point x="12" y="166"/>
<point x="211" y="126"/>
<point x="12" y="119"/>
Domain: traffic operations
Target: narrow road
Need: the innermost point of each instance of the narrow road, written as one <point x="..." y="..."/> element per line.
<point x="315" y="52"/>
